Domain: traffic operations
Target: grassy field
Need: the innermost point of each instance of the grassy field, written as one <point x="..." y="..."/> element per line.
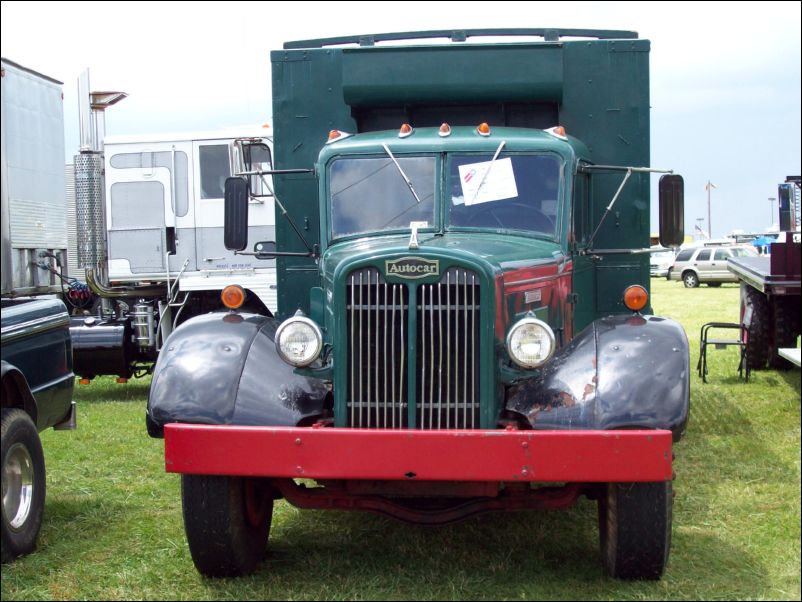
<point x="113" y="526"/>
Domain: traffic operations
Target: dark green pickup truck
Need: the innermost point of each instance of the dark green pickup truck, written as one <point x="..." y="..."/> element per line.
<point x="37" y="384"/>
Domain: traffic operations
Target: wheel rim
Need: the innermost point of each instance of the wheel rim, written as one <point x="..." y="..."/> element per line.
<point x="18" y="475"/>
<point x="690" y="280"/>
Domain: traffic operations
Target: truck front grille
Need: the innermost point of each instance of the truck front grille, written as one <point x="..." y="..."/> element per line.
<point x="445" y="358"/>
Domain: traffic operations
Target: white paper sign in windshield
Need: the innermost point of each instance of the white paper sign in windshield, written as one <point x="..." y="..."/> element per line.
<point x="498" y="184"/>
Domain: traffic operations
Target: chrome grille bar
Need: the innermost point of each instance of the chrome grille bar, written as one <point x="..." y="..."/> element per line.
<point x="448" y="327"/>
<point x="376" y="322"/>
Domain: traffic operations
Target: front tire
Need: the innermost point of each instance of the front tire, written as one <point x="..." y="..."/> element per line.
<point x="635" y="529"/>
<point x="227" y="522"/>
<point x="23" y="483"/>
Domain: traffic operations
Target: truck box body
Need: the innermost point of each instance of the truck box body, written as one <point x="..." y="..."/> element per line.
<point x="34" y="207"/>
<point x="598" y="89"/>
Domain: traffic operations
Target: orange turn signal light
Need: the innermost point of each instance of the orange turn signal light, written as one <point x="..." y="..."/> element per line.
<point x="233" y="296"/>
<point x="636" y="297"/>
<point x="483" y="129"/>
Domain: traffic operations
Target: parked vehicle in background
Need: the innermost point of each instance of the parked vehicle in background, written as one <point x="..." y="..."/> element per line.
<point x="770" y="288"/>
<point x="37" y="385"/>
<point x="149" y="237"/>
<point x="463" y="300"/>
<point x="707" y="264"/>
<point x="36" y="375"/>
<point x="660" y="260"/>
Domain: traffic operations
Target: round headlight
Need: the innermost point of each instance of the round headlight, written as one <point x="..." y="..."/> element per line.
<point x="298" y="341"/>
<point x="530" y="343"/>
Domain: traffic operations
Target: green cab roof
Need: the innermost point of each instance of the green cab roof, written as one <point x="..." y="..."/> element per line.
<point x="461" y="139"/>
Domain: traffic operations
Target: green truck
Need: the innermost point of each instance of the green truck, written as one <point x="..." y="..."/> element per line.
<point x="463" y="320"/>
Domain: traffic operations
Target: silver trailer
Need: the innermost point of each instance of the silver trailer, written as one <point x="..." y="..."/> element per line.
<point x="34" y="205"/>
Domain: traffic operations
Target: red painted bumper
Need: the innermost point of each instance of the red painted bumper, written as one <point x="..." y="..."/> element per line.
<point x="361" y="454"/>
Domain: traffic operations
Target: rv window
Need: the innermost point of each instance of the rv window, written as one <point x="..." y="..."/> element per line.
<point x="214" y="169"/>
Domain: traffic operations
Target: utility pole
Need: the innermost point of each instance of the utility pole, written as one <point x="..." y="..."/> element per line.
<point x="708" y="187"/>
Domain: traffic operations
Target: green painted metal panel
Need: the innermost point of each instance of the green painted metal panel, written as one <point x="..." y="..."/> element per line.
<point x="448" y="74"/>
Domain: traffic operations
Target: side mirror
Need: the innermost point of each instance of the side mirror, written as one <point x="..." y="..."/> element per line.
<point x="235" y="215"/>
<point x="672" y="211"/>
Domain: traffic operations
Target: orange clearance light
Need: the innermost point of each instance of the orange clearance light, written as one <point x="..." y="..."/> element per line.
<point x="636" y="297"/>
<point x="483" y="129"/>
<point x="405" y="130"/>
<point x="445" y="130"/>
<point x="84" y="381"/>
<point x="558" y="131"/>
<point x="233" y="296"/>
<point x="335" y="135"/>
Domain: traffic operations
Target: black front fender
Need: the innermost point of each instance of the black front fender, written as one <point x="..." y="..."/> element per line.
<point x="222" y="368"/>
<point x="620" y="372"/>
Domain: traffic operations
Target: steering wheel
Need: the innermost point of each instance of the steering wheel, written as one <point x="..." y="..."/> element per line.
<point x="513" y="215"/>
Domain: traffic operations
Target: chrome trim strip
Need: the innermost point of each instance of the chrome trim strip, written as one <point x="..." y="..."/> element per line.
<point x="14" y="332"/>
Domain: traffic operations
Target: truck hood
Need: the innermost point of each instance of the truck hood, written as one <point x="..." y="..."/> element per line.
<point x="497" y="253"/>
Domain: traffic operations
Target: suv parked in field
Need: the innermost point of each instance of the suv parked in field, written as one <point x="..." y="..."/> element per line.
<point x="706" y="264"/>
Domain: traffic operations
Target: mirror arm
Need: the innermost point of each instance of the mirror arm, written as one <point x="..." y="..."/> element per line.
<point x="273" y="254"/>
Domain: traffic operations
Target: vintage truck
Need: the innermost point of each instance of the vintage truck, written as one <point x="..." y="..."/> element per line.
<point x="464" y="321"/>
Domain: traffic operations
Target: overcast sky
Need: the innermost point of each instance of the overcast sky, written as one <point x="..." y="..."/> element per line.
<point x="725" y="76"/>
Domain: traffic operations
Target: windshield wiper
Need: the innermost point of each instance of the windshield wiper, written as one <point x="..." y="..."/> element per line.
<point x="401" y="171"/>
<point x="487" y="173"/>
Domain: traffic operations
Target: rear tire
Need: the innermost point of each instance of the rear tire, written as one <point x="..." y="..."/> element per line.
<point x="690" y="280"/>
<point x="227" y="522"/>
<point x="635" y="529"/>
<point x="757" y="341"/>
<point x="23" y="483"/>
<point x="786" y="329"/>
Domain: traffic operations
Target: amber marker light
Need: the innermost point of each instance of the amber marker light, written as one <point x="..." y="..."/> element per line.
<point x="636" y="297"/>
<point x="233" y="296"/>
<point x="558" y="132"/>
<point x="445" y="130"/>
<point x="483" y="129"/>
<point x="405" y="130"/>
<point x="335" y="135"/>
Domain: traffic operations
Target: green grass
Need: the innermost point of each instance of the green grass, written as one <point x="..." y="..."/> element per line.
<point x="113" y="526"/>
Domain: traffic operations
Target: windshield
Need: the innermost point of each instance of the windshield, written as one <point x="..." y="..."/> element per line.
<point x="512" y="192"/>
<point x="371" y="194"/>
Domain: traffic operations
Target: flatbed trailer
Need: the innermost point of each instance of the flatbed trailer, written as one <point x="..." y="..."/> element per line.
<point x="770" y="286"/>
